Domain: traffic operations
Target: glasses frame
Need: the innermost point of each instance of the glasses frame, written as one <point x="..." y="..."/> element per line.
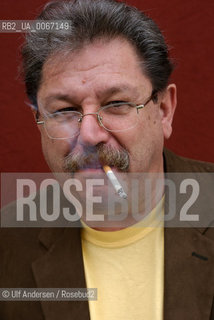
<point x="138" y="107"/>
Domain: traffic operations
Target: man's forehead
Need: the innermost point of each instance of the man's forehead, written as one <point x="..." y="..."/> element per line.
<point x="114" y="55"/>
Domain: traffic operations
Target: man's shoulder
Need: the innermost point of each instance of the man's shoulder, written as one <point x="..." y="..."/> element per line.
<point x="175" y="163"/>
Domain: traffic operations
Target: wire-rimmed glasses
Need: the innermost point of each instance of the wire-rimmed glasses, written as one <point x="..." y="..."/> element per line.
<point x="114" y="117"/>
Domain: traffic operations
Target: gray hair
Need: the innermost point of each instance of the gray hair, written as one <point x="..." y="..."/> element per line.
<point x="91" y="20"/>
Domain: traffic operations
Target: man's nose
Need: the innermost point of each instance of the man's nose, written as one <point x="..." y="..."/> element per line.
<point x="91" y="132"/>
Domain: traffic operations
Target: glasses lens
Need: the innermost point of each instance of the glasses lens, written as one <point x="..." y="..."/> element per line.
<point x="119" y="116"/>
<point x="62" y="125"/>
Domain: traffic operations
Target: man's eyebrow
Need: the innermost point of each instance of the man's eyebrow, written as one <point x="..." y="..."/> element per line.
<point x="56" y="97"/>
<point x="102" y="93"/>
<point x="127" y="89"/>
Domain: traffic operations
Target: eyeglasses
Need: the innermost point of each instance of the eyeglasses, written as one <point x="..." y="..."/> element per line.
<point x="114" y="117"/>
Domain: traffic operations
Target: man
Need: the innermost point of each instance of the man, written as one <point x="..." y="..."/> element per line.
<point x="101" y="94"/>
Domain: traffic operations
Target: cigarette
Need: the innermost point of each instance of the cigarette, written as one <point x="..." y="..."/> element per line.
<point x="117" y="186"/>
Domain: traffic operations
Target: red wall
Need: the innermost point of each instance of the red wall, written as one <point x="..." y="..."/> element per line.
<point x="188" y="27"/>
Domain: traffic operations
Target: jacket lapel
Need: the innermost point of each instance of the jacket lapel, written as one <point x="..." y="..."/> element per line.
<point x="61" y="267"/>
<point x="189" y="274"/>
<point x="188" y="256"/>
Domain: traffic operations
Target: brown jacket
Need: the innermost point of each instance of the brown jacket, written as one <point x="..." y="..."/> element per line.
<point x="52" y="258"/>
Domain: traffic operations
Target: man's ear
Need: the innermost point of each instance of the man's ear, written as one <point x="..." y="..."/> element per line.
<point x="34" y="111"/>
<point x="167" y="108"/>
<point x="35" y="115"/>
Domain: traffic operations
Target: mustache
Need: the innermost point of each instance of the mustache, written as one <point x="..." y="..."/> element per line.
<point x="95" y="157"/>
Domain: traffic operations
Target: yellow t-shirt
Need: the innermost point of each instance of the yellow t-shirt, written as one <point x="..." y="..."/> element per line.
<point x="127" y="268"/>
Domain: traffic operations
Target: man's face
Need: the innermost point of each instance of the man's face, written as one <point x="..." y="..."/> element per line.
<point x="100" y="73"/>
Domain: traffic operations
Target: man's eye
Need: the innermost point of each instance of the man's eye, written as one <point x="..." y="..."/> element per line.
<point x="66" y="109"/>
<point x="117" y="103"/>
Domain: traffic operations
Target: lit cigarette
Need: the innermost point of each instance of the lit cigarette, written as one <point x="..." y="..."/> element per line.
<point x="117" y="186"/>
